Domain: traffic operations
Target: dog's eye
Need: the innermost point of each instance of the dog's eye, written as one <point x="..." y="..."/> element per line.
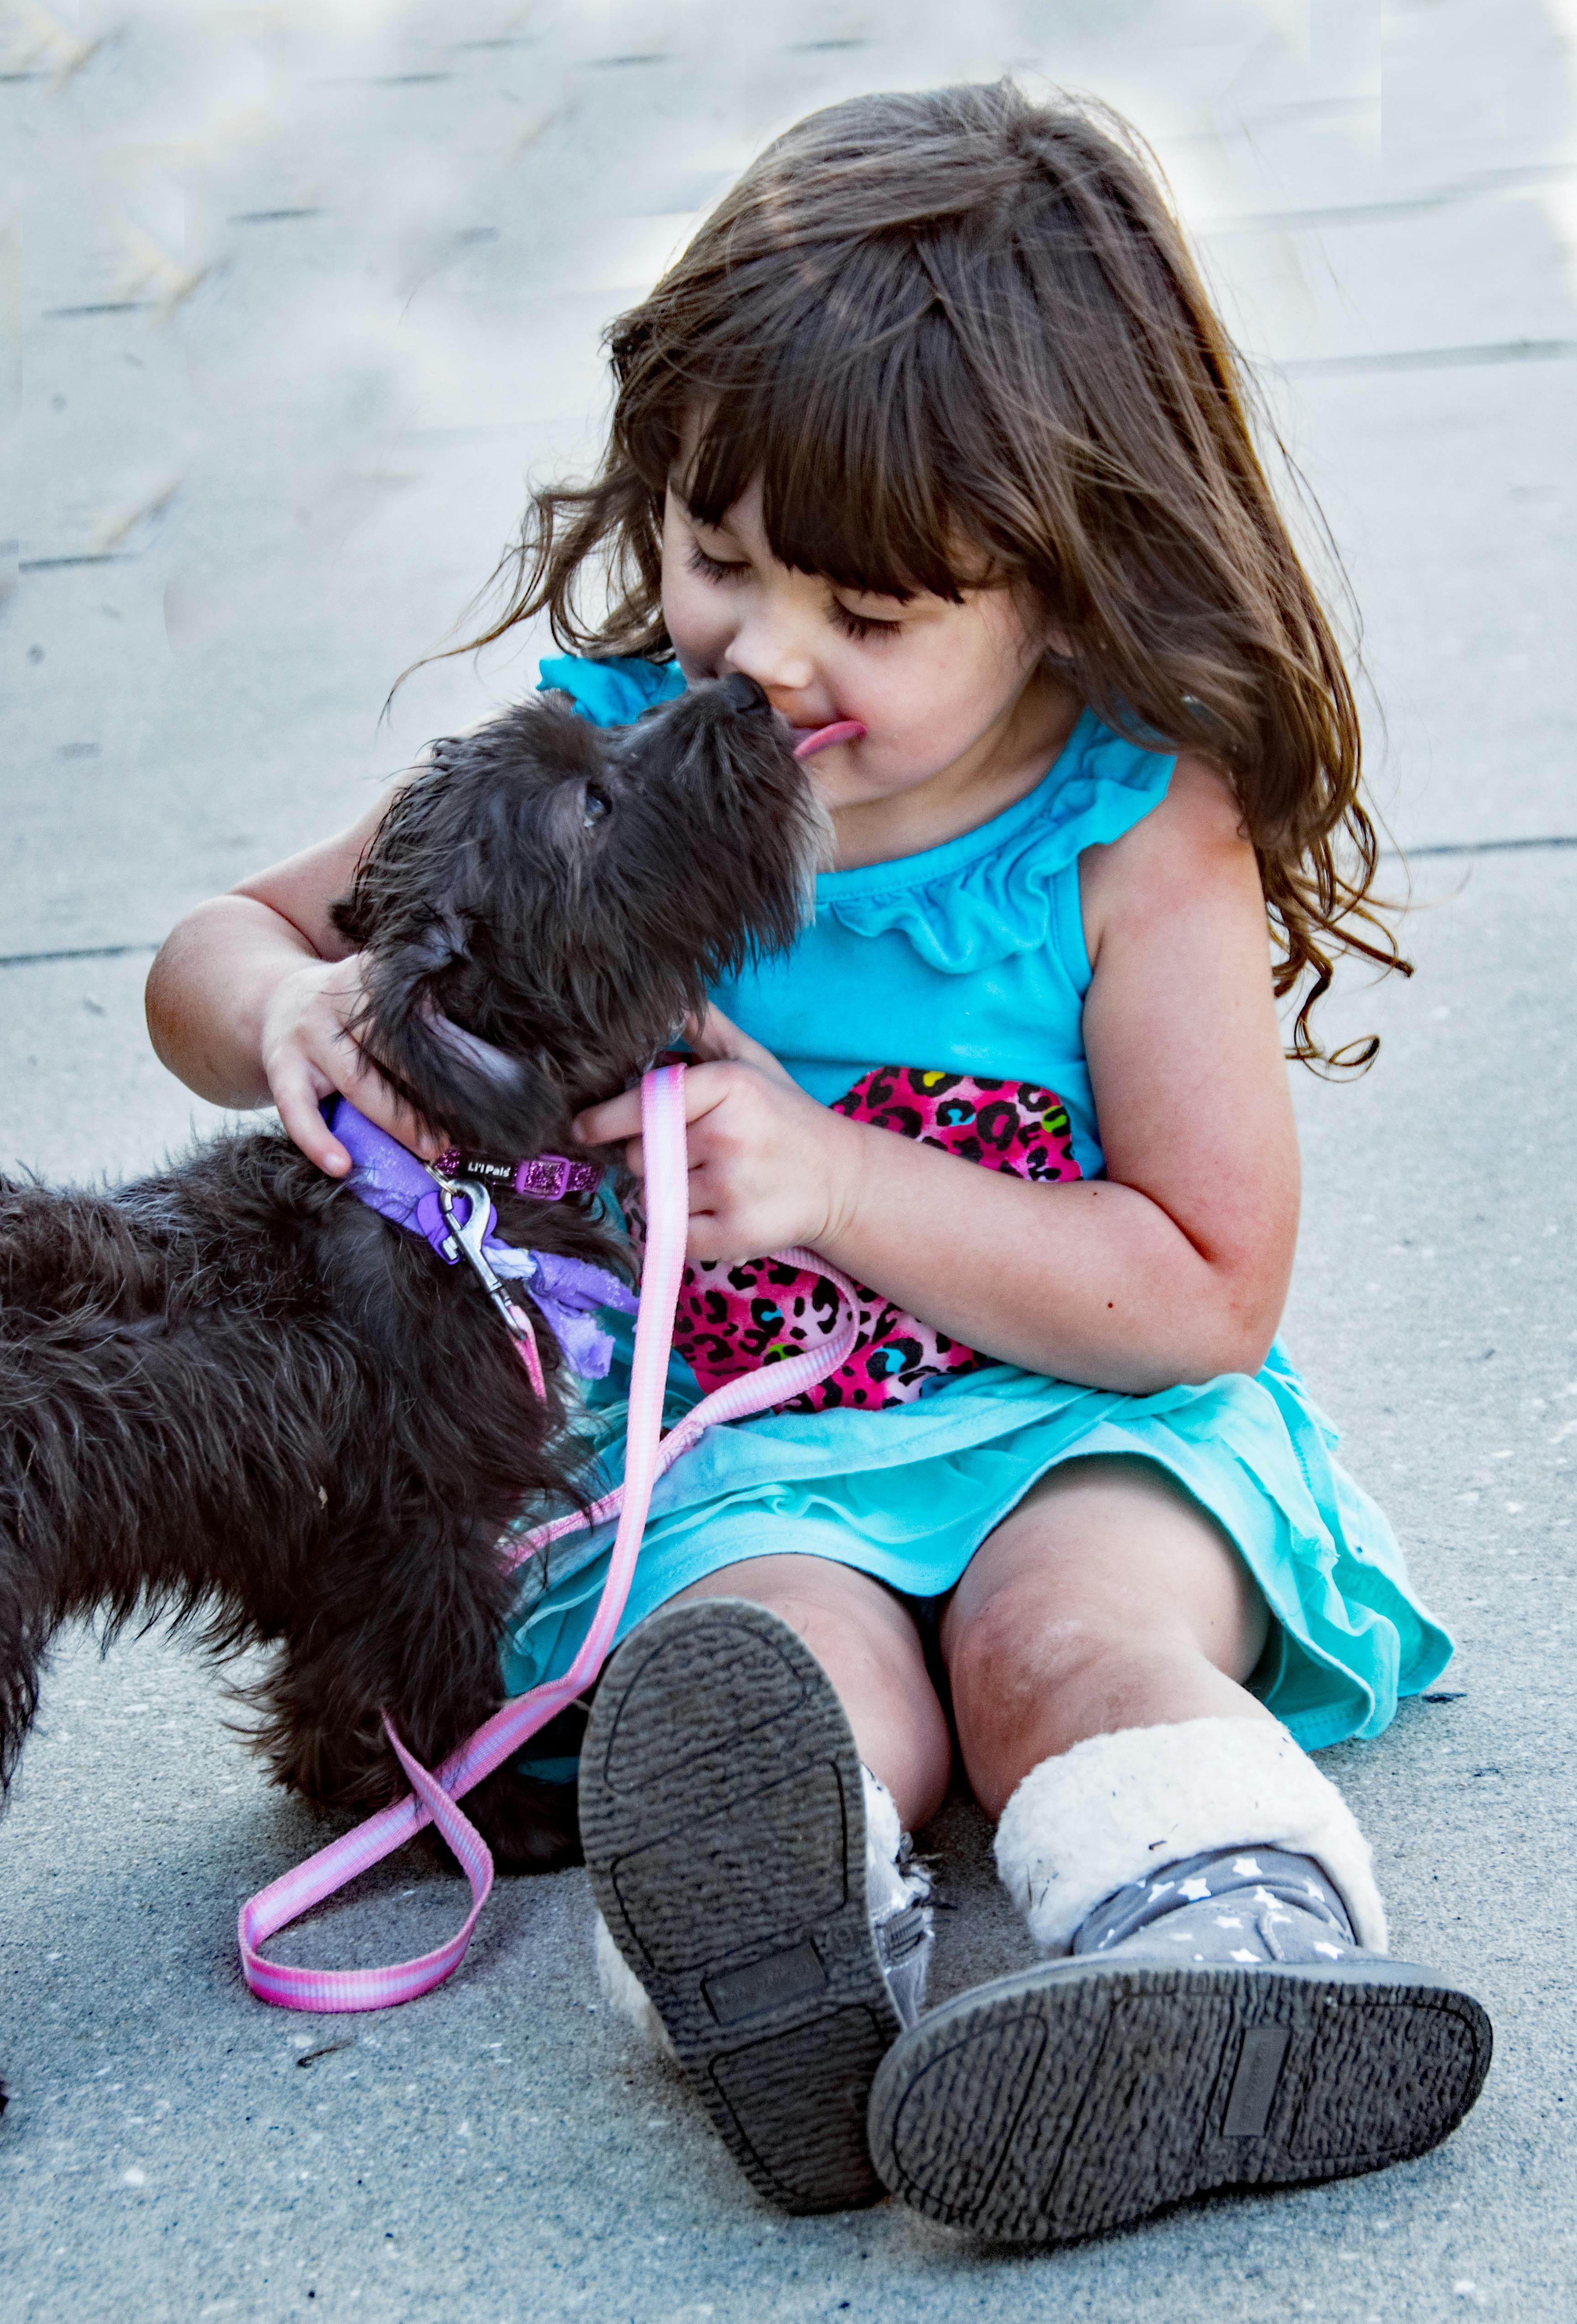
<point x="595" y="805"/>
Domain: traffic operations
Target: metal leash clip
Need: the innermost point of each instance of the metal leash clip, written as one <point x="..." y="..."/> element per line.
<point x="467" y="1237"/>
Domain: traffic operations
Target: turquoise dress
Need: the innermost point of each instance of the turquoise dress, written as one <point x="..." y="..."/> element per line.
<point x="971" y="958"/>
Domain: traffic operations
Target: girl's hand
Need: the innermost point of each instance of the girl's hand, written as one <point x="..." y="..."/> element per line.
<point x="308" y="1052"/>
<point x="769" y="1167"/>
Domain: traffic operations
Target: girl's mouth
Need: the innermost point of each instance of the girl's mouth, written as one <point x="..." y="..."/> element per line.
<point x="823" y="738"/>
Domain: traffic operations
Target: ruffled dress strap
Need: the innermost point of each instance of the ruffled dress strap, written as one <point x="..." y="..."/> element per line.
<point x="999" y="890"/>
<point x="1002" y="888"/>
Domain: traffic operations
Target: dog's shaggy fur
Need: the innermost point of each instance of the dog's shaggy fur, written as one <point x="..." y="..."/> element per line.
<point x="235" y="1395"/>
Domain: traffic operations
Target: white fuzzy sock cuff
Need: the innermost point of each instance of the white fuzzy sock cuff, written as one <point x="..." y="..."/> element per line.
<point x="1117" y="1808"/>
<point x="623" y="1991"/>
<point x="890" y="1883"/>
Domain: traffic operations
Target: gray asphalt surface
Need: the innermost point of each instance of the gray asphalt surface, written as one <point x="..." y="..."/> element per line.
<point x="304" y="293"/>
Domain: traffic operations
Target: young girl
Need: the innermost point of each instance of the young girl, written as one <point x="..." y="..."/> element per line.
<point x="932" y="433"/>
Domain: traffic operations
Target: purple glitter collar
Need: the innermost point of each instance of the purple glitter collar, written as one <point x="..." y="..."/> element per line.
<point x="545" y="1177"/>
<point x="391" y="1180"/>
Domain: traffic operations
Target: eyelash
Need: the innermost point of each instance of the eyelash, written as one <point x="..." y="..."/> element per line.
<point x="857" y="626"/>
<point x="712" y="568"/>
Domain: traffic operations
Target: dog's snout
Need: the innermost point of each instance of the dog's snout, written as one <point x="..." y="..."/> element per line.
<point x="742" y="693"/>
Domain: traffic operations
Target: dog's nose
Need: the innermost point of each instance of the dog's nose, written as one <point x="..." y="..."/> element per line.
<point x="742" y="694"/>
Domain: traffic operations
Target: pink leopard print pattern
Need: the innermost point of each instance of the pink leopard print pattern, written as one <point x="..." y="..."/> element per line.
<point x="731" y="1319"/>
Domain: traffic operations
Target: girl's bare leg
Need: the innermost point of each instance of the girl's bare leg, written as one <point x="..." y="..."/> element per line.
<point x="1108" y="1599"/>
<point x="867" y="1643"/>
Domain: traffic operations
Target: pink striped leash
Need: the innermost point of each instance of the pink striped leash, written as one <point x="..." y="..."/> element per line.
<point x="433" y="1798"/>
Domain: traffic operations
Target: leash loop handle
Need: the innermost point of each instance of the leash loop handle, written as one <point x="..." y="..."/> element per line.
<point x="433" y="1798"/>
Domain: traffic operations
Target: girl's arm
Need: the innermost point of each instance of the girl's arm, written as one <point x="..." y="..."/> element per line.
<point x="1175" y="1267"/>
<point x="249" y="999"/>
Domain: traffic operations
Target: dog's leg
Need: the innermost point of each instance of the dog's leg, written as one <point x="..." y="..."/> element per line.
<point x="407" y="1624"/>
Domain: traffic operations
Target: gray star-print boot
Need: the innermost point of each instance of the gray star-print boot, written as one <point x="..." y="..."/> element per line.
<point x="1221" y="2013"/>
<point x="762" y="1916"/>
<point x="1232" y="1905"/>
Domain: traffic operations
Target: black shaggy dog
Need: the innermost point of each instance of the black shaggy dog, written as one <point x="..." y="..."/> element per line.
<point x="235" y="1395"/>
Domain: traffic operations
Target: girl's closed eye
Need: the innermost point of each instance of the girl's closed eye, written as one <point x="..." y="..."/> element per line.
<point x="713" y="568"/>
<point x="861" y="627"/>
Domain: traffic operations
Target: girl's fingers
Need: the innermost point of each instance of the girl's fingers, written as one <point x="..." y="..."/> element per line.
<point x="606" y="1124"/>
<point x="296" y="1096"/>
<point x="619" y="1117"/>
<point x="309" y="1052"/>
<point x="299" y="1083"/>
<point x="356" y="1078"/>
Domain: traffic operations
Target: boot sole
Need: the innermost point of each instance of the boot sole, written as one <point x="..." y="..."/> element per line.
<point x="1076" y="2098"/>
<point x="724" y="1822"/>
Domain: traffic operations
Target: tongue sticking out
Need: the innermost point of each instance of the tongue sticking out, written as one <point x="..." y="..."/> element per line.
<point x="846" y="730"/>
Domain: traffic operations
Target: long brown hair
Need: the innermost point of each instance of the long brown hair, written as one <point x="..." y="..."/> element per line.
<point x="960" y="338"/>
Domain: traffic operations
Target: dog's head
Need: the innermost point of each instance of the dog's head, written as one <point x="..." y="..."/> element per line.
<point x="547" y="901"/>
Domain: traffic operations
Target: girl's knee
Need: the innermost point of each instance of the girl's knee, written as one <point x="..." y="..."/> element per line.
<point x="1021" y="1644"/>
<point x="1107" y="1558"/>
<point x="844" y="1636"/>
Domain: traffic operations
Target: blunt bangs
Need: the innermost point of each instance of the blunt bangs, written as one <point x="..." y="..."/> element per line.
<point x="845" y="424"/>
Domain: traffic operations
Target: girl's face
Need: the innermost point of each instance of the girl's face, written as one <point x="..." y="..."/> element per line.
<point x="947" y="693"/>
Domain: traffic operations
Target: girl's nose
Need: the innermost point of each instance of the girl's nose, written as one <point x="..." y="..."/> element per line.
<point x="774" y="659"/>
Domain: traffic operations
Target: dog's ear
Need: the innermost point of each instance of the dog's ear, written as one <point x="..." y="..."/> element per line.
<point x="454" y="1081"/>
<point x="349" y="914"/>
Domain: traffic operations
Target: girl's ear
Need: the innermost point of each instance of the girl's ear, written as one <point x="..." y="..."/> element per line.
<point x="457" y="1083"/>
<point x="1043" y="637"/>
